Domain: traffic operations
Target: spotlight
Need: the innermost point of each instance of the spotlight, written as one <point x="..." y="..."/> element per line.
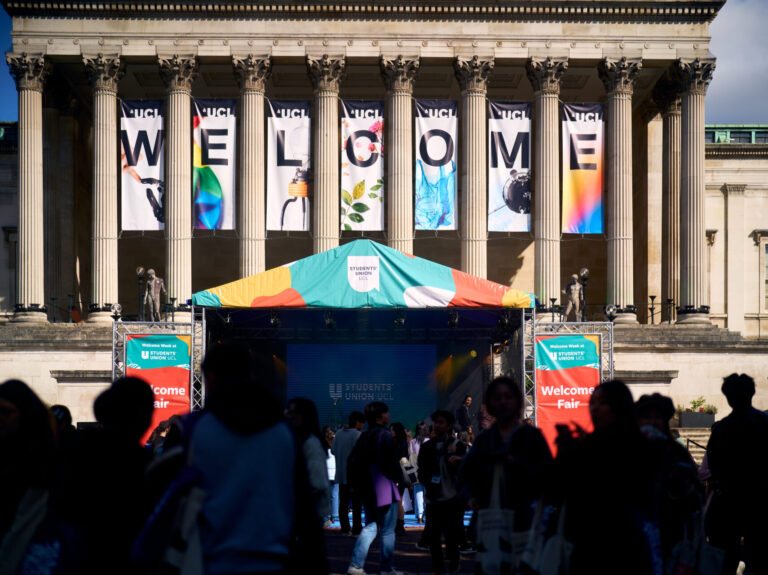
<point x="399" y="320"/>
<point x="453" y="319"/>
<point x="274" y="319"/>
<point x="330" y="321"/>
<point x="610" y="312"/>
<point x="503" y="320"/>
<point x="473" y="353"/>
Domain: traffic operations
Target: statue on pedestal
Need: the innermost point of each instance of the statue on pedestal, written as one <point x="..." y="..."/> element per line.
<point x="155" y="285"/>
<point x="575" y="296"/>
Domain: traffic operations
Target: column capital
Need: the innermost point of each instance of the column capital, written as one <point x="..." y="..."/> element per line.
<point x="695" y="75"/>
<point x="252" y="71"/>
<point x="178" y="72"/>
<point x="400" y="72"/>
<point x="29" y="71"/>
<point x="472" y="73"/>
<point x="104" y="71"/>
<point x="666" y="94"/>
<point x="544" y="73"/>
<point x="326" y="72"/>
<point x="618" y="76"/>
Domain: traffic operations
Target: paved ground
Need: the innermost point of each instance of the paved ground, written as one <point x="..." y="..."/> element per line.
<point x="408" y="559"/>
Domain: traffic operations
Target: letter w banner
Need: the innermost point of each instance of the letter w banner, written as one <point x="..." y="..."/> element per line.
<point x="583" y="161"/>
<point x="509" y="167"/>
<point x="163" y="361"/>
<point x="567" y="372"/>
<point x="289" y="175"/>
<point x="213" y="178"/>
<point x="437" y="127"/>
<point x="142" y="139"/>
<point x="362" y="166"/>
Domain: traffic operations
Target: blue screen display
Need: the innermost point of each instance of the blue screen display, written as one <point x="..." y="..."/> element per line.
<point x="341" y="378"/>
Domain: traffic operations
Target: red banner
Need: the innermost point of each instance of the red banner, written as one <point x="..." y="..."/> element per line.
<point x="163" y="361"/>
<point x="567" y="372"/>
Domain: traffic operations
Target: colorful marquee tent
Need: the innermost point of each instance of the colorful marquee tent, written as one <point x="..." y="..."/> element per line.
<point x="360" y="274"/>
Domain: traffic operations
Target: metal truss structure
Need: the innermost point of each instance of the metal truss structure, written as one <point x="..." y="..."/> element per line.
<point x="196" y="331"/>
<point x="532" y="328"/>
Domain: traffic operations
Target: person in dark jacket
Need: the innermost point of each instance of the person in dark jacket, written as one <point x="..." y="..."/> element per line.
<point x="439" y="461"/>
<point x="736" y="457"/>
<point x="521" y="450"/>
<point x="465" y="416"/>
<point x="380" y="493"/>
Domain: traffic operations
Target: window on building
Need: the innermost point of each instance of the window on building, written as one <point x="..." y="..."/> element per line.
<point x="761" y="137"/>
<point x="741" y="137"/>
<point x="709" y="137"/>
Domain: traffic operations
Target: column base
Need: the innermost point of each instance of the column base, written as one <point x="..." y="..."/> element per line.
<point x="29" y="315"/>
<point x="101" y="317"/>
<point x="693" y="319"/>
<point x="625" y="318"/>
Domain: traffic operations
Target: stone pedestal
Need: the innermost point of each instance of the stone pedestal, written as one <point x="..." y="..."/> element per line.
<point x="252" y="73"/>
<point x="30" y="72"/>
<point x="694" y="297"/>
<point x="544" y="75"/>
<point x="178" y="73"/>
<point x="399" y="74"/>
<point x="473" y="75"/>
<point x="105" y="73"/>
<point x="618" y="77"/>
<point x="326" y="73"/>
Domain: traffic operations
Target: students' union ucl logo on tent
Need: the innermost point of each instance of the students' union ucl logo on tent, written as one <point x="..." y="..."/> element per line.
<point x="363" y="273"/>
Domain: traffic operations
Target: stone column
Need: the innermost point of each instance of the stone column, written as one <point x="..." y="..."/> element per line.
<point x="734" y="255"/>
<point x="544" y="75"/>
<point x="30" y="72"/>
<point x="178" y="73"/>
<point x="668" y="100"/>
<point x="473" y="78"/>
<point x="694" y="299"/>
<point x="252" y="73"/>
<point x="105" y="73"/>
<point x="326" y="73"/>
<point x="618" y="76"/>
<point x="399" y="75"/>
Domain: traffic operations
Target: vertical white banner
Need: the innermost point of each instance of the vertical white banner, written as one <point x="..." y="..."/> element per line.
<point x="213" y="166"/>
<point x="437" y="126"/>
<point x="289" y="175"/>
<point x="509" y="167"/>
<point x="362" y="166"/>
<point x="142" y="140"/>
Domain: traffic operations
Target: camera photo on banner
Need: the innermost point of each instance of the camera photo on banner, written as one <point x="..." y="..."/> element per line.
<point x="289" y="169"/>
<point x="362" y="165"/>
<point x="437" y="126"/>
<point x="142" y="141"/>
<point x="509" y="167"/>
<point x="213" y="178"/>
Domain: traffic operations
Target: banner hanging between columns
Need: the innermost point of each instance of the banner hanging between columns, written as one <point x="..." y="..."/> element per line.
<point x="142" y="139"/>
<point x="437" y="127"/>
<point x="289" y="173"/>
<point x="362" y="167"/>
<point x="213" y="178"/>
<point x="509" y="167"/>
<point x="583" y="168"/>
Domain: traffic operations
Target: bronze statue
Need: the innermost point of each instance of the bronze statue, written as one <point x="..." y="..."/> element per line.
<point x="575" y="296"/>
<point x="152" y="295"/>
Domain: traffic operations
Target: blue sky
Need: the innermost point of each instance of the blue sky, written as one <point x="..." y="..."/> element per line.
<point x="736" y="95"/>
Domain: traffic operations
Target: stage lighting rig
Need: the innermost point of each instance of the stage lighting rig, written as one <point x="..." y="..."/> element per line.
<point x="274" y="319"/>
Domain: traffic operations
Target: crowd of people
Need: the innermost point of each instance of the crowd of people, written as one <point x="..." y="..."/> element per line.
<point x="246" y="485"/>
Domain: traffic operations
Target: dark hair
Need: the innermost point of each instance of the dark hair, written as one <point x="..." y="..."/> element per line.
<point x="62" y="414"/>
<point x="356" y="417"/>
<point x="421" y="432"/>
<point x="374" y="410"/>
<point x="655" y="403"/>
<point x="164" y="425"/>
<point x="126" y="406"/>
<point x="618" y="397"/>
<point x="513" y="387"/>
<point x="34" y="445"/>
<point x="323" y="438"/>
<point x="310" y="422"/>
<point x="446" y="415"/>
<point x="738" y="389"/>
<point x="466" y="397"/>
<point x="398" y="432"/>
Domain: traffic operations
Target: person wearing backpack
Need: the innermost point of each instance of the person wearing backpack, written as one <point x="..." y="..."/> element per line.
<point x="374" y="472"/>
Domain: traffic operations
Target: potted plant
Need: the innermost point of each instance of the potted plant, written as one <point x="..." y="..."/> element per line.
<point x="699" y="414"/>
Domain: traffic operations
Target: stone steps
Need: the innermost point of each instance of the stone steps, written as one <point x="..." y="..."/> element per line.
<point x="700" y="435"/>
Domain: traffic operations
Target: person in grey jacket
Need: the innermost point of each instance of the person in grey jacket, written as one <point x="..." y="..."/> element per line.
<point x="342" y="446"/>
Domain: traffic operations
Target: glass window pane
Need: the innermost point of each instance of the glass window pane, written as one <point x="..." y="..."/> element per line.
<point x="709" y="137"/>
<point x="741" y="137"/>
<point x="761" y="137"/>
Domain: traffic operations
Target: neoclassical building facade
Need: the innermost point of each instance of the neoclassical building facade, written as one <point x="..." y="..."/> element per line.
<point x="648" y="62"/>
